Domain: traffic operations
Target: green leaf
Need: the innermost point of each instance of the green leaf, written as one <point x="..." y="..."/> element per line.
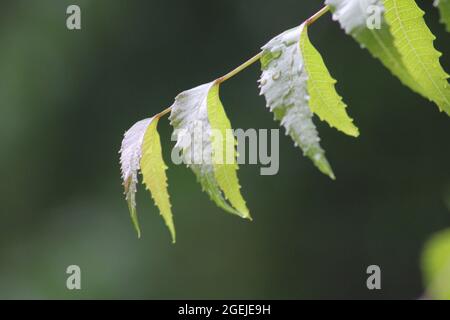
<point x="141" y="150"/>
<point x="444" y="9"/>
<point x="414" y="41"/>
<point x="153" y="171"/>
<point x="296" y="83"/>
<point x="353" y="16"/>
<point x="324" y="100"/>
<point x="193" y="133"/>
<point x="130" y="156"/>
<point x="225" y="164"/>
<point x="436" y="266"/>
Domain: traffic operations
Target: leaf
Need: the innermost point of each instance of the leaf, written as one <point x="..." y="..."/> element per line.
<point x="324" y="100"/>
<point x="153" y="171"/>
<point x="436" y="266"/>
<point x="414" y="41"/>
<point x="353" y="16"/>
<point x="225" y="171"/>
<point x="193" y="133"/>
<point x="284" y="84"/>
<point x="131" y="153"/>
<point x="444" y="9"/>
<point x="141" y="149"/>
<point x="296" y="83"/>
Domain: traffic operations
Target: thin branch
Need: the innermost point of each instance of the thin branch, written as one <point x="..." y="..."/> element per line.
<point x="240" y="68"/>
<point x="163" y="113"/>
<point x="254" y="59"/>
<point x="317" y="15"/>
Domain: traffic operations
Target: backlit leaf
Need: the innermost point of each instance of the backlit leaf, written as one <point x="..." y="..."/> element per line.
<point x="153" y="171"/>
<point x="359" y="18"/>
<point x="414" y="41"/>
<point x="130" y="157"/>
<point x="436" y="266"/>
<point x="296" y="83"/>
<point x="193" y="133"/>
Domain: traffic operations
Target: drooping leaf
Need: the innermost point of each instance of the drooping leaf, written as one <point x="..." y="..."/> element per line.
<point x="436" y="266"/>
<point x="355" y="16"/>
<point x="130" y="157"/>
<point x="193" y="133"/>
<point x="414" y="41"/>
<point x="141" y="150"/>
<point x="296" y="83"/>
<point x="324" y="100"/>
<point x="444" y="9"/>
<point x="225" y="165"/>
<point x="153" y="171"/>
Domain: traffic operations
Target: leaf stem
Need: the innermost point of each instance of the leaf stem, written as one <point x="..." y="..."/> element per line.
<point x="240" y="68"/>
<point x="317" y="15"/>
<point x="163" y="113"/>
<point x="254" y="59"/>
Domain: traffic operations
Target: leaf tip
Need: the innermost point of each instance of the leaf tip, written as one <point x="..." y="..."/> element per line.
<point x="137" y="228"/>
<point x="246" y="215"/>
<point x="354" y="132"/>
<point x="134" y="217"/>
<point x="325" y="167"/>
<point x="135" y="222"/>
<point x="172" y="233"/>
<point x="327" y="170"/>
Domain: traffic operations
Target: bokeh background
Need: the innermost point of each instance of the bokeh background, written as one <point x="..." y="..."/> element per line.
<point x="67" y="97"/>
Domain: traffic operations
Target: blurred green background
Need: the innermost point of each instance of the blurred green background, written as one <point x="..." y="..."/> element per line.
<point x="67" y="97"/>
